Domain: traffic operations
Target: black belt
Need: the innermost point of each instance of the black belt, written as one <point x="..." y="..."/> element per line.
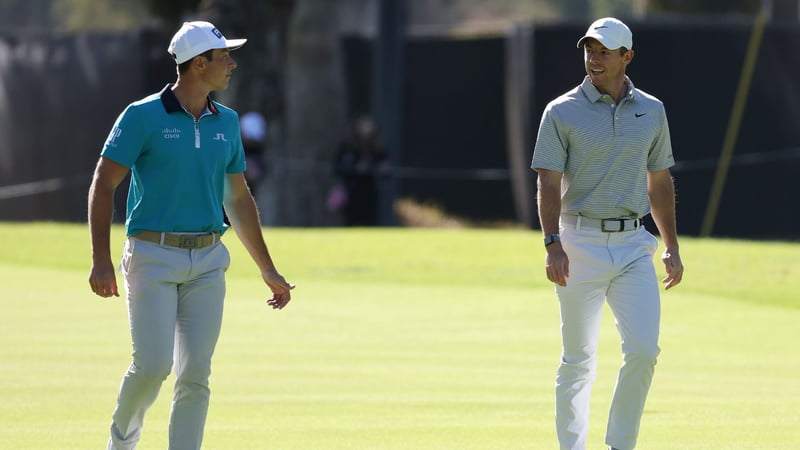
<point x="193" y="241"/>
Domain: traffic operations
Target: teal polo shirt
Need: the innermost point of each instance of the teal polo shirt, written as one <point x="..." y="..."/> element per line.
<point x="178" y="164"/>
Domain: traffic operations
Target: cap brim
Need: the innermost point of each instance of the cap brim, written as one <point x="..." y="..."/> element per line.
<point x="233" y="44"/>
<point x="599" y="39"/>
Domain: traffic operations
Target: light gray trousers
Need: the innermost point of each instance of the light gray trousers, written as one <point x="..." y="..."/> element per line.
<point x="617" y="268"/>
<point x="175" y="301"/>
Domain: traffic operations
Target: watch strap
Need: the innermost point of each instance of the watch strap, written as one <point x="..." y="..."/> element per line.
<point x="551" y="238"/>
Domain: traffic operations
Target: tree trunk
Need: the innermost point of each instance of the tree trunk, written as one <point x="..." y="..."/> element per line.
<point x="315" y="113"/>
<point x="258" y="83"/>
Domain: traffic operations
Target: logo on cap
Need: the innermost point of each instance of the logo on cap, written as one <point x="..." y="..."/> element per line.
<point x="216" y="33"/>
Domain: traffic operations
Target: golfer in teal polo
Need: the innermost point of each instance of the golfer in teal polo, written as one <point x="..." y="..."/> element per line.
<point x="186" y="161"/>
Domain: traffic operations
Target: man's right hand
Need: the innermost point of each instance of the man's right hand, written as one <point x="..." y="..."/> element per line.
<point x="556" y="264"/>
<point x="107" y="176"/>
<point x="103" y="280"/>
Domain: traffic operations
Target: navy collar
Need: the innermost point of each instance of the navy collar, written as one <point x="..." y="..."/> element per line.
<point x="172" y="105"/>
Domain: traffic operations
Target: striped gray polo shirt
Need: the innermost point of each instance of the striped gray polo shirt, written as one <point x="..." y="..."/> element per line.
<point x="604" y="150"/>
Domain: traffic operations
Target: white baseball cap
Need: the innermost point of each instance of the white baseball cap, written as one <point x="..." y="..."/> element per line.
<point x="610" y="32"/>
<point x="195" y="38"/>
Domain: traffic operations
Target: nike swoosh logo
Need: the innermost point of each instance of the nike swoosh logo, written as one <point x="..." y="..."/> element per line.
<point x="639" y="114"/>
<point x="603" y="26"/>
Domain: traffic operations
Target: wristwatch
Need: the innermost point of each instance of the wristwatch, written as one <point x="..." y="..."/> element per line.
<point x="551" y="238"/>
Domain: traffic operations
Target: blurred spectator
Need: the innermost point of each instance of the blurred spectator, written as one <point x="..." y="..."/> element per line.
<point x="254" y="135"/>
<point x="360" y="161"/>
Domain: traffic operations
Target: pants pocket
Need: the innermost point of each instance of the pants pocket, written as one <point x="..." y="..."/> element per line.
<point x="127" y="256"/>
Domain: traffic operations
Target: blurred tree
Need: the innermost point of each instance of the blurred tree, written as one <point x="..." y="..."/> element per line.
<point x="315" y="113"/>
<point x="605" y="8"/>
<point x="95" y="15"/>
<point x="260" y="81"/>
<point x="575" y="9"/>
<point x="705" y="6"/>
<point x="458" y="12"/>
<point x="173" y="11"/>
<point x="24" y="15"/>
<point x="71" y="15"/>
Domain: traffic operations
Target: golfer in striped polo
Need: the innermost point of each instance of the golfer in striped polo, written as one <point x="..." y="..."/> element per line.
<point x="603" y="155"/>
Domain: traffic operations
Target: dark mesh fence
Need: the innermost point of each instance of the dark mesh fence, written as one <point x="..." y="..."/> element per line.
<point x="59" y="96"/>
<point x="455" y="117"/>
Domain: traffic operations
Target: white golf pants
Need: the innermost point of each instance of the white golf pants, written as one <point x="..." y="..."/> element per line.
<point x="175" y="298"/>
<point x="618" y="268"/>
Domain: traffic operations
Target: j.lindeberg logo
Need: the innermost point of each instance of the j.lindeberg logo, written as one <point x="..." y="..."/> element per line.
<point x="220" y="137"/>
<point x="113" y="136"/>
<point x="171" y="133"/>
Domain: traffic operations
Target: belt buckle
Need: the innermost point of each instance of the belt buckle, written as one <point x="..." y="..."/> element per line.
<point x="620" y="225"/>
<point x="188" y="241"/>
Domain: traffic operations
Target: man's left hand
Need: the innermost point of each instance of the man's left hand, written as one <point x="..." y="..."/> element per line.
<point x="281" y="289"/>
<point x="672" y="262"/>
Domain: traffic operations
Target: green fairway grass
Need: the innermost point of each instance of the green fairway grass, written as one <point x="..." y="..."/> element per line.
<point x="402" y="339"/>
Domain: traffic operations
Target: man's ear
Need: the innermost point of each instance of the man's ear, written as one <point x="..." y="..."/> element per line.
<point x="627" y="57"/>
<point x="199" y="61"/>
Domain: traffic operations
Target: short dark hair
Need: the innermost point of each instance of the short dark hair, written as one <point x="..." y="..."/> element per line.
<point x="622" y="50"/>
<point x="184" y="66"/>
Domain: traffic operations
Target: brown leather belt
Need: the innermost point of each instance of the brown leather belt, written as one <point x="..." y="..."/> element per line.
<point x="192" y="241"/>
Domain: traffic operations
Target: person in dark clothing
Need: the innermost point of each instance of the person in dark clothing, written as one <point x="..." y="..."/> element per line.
<point x="254" y="134"/>
<point x="360" y="162"/>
